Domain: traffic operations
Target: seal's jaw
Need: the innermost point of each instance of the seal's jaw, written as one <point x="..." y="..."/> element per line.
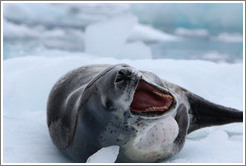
<point x="150" y="100"/>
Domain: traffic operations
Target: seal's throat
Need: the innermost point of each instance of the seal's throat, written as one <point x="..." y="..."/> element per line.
<point x="150" y="100"/>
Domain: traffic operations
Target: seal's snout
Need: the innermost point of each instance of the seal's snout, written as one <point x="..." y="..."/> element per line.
<point x="124" y="74"/>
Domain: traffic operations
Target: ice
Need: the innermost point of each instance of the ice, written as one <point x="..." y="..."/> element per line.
<point x="12" y="30"/>
<point x="28" y="80"/>
<point x="56" y="38"/>
<point x="215" y="56"/>
<point x="62" y="14"/>
<point x="191" y="32"/>
<point x="107" y="38"/>
<point x="105" y="155"/>
<point x="149" y="35"/>
<point x="218" y="17"/>
<point x="226" y="37"/>
<point x="33" y="13"/>
<point x="120" y="37"/>
<point x="214" y="17"/>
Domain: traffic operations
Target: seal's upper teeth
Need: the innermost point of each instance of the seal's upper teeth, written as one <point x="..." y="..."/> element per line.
<point x="163" y="95"/>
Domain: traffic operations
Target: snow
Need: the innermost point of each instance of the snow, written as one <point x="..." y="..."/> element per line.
<point x="28" y="80"/>
<point x="216" y="143"/>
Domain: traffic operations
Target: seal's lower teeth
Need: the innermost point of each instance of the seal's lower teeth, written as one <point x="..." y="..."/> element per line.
<point x="156" y="108"/>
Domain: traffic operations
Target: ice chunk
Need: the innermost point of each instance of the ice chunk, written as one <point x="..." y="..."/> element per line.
<point x="191" y="32"/>
<point x="11" y="30"/>
<point x="149" y="35"/>
<point x="31" y="12"/>
<point x="105" y="155"/>
<point x="226" y="37"/>
<point x="107" y="38"/>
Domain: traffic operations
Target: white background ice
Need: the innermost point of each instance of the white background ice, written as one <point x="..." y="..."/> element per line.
<point x="108" y="38"/>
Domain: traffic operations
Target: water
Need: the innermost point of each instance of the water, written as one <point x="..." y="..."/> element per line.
<point x="187" y="48"/>
<point x="199" y="48"/>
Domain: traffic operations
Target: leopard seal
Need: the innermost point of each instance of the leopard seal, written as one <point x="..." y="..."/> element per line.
<point x="96" y="106"/>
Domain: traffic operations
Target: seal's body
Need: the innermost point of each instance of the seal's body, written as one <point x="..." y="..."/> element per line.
<point x="102" y="105"/>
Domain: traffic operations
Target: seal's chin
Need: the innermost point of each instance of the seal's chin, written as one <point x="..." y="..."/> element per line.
<point x="149" y="100"/>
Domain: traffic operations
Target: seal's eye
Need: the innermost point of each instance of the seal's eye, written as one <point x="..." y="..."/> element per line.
<point x="149" y="100"/>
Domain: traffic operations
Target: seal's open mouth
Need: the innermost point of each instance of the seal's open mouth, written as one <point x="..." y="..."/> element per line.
<point x="149" y="100"/>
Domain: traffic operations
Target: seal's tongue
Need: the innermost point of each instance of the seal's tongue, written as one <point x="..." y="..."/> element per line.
<point x="149" y="99"/>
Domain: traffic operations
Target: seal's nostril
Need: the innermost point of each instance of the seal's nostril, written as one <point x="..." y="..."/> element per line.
<point x="123" y="74"/>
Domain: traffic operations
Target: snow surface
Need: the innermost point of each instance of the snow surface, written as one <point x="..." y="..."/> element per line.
<point x="28" y="80"/>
